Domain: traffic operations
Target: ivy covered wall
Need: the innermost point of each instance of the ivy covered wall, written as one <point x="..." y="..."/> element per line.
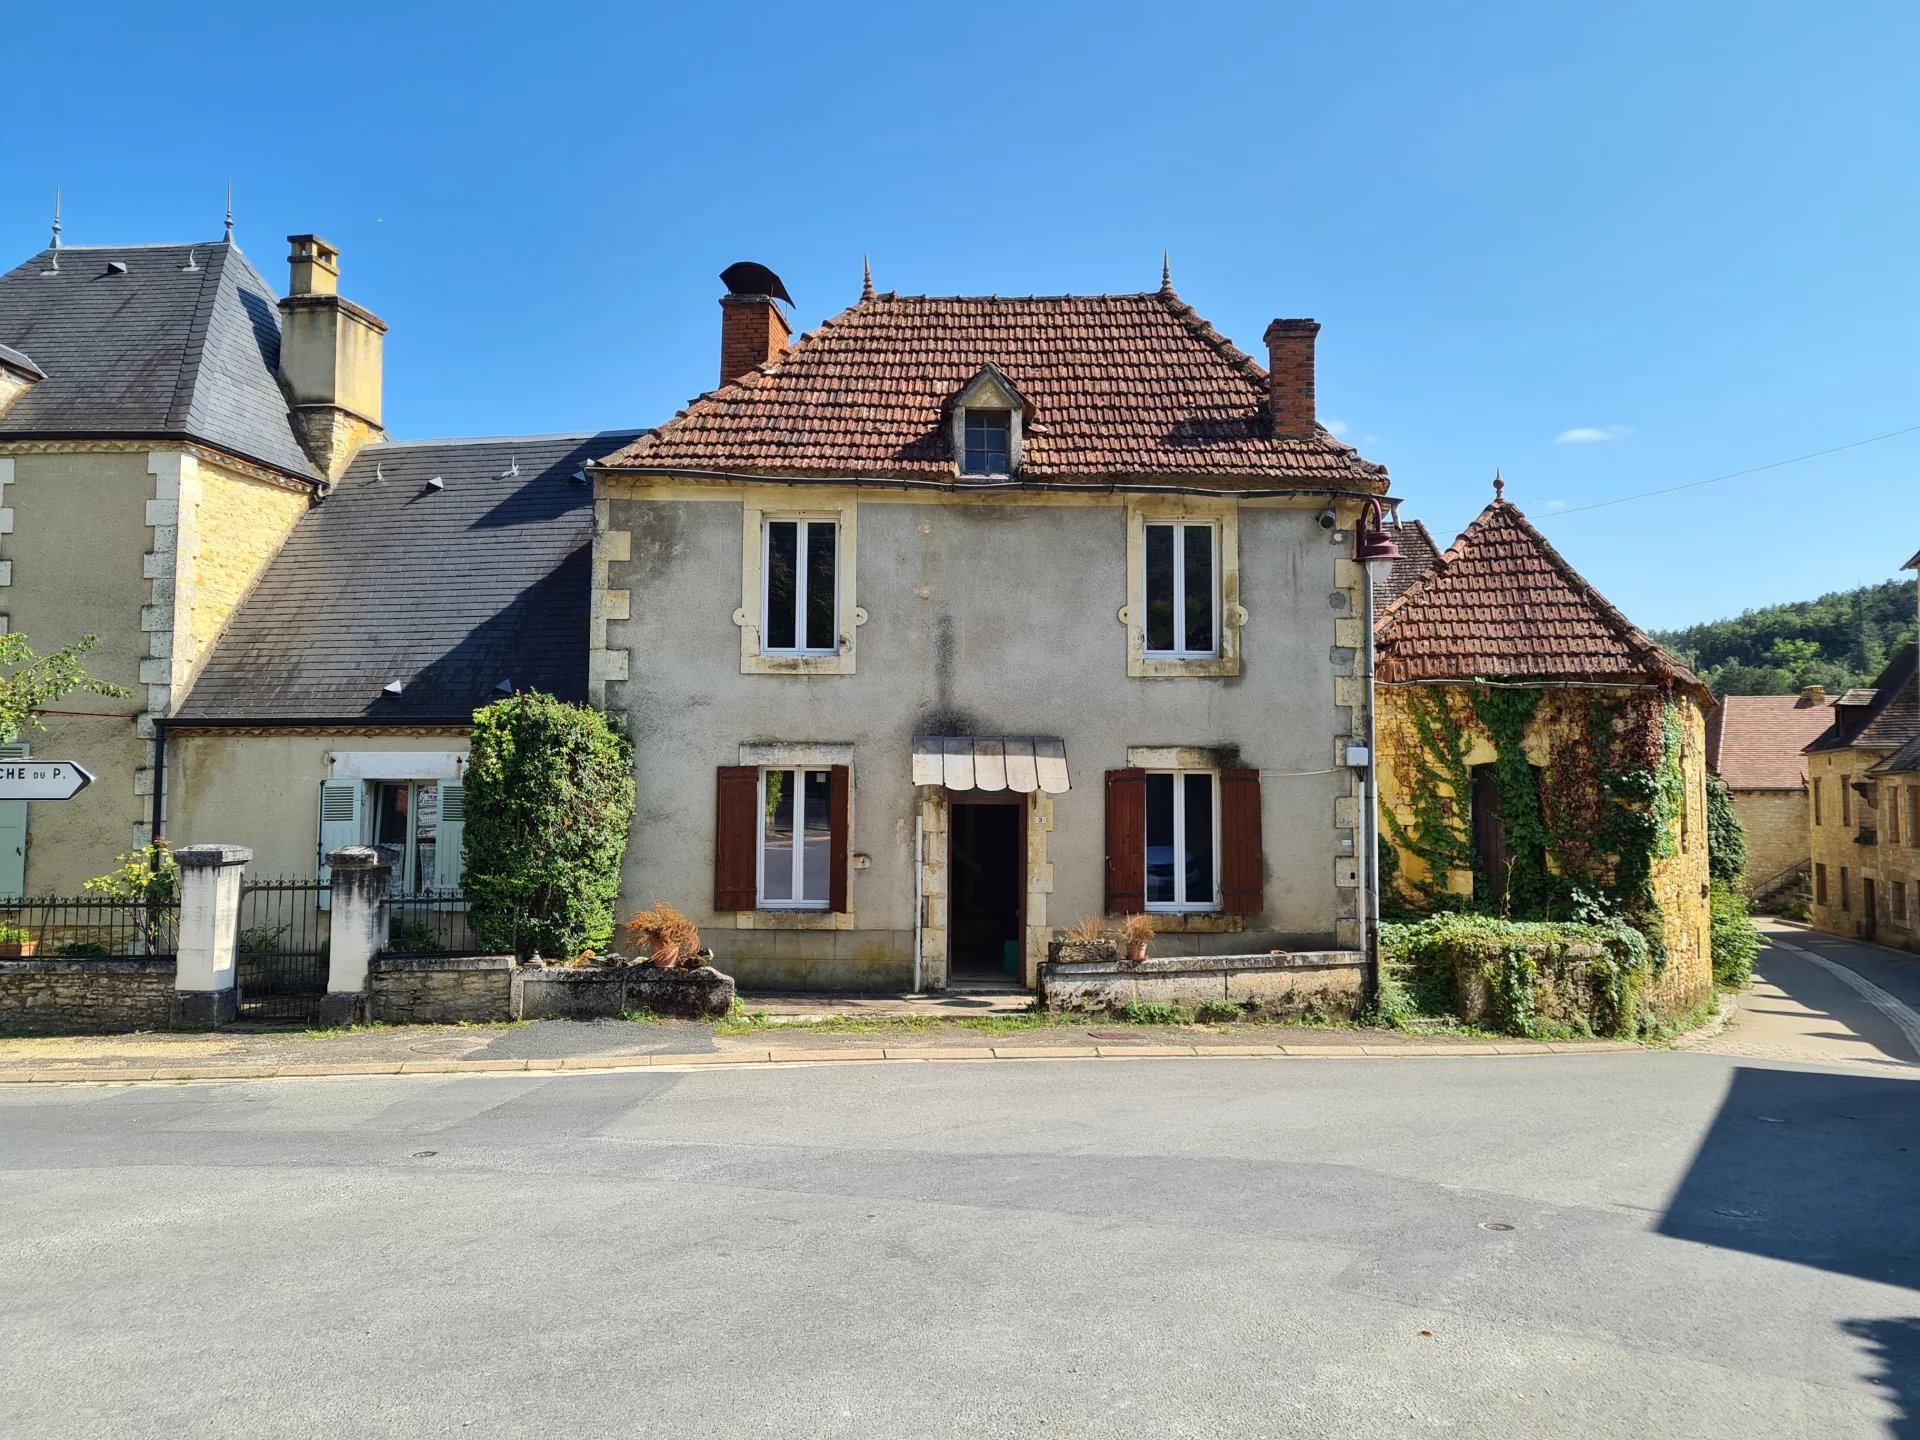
<point x="1602" y="796"/>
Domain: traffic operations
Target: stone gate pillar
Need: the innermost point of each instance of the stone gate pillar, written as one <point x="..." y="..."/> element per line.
<point x="362" y="882"/>
<point x="204" y="970"/>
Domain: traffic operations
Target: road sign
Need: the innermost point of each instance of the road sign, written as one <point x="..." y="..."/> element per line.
<point x="42" y="779"/>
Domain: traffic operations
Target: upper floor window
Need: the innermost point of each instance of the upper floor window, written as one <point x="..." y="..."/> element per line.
<point x="1183" y="590"/>
<point x="1816" y="802"/>
<point x="1183" y="841"/>
<point x="989" y="443"/>
<point x="800" y="590"/>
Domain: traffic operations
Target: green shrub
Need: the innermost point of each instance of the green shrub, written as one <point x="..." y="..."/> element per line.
<point x="1533" y="978"/>
<point x="14" y="934"/>
<point x="1219" y="1012"/>
<point x="1733" y="939"/>
<point x="1726" y="836"/>
<point x="413" y="937"/>
<point x="549" y="799"/>
<point x="1155" y="1012"/>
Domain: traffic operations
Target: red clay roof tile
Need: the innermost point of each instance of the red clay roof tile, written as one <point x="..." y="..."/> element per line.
<point x="1754" y="741"/>
<point x="1117" y="385"/>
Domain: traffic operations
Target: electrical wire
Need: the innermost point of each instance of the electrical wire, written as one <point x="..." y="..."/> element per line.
<point x="1732" y="475"/>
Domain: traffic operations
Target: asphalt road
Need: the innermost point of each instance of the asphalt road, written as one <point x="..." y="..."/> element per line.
<point x="1645" y="1244"/>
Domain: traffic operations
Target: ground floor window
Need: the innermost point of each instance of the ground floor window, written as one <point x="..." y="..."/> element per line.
<point x="1846" y="889"/>
<point x="1820" y="884"/>
<point x="419" y="826"/>
<point x="1897" y="901"/>
<point x="796" y="839"/>
<point x="1183" y="839"/>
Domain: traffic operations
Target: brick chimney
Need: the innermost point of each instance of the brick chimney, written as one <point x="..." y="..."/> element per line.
<point x="1290" y="378"/>
<point x="752" y="332"/>
<point x="330" y="358"/>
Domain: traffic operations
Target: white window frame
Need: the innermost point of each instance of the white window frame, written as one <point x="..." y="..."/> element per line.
<point x="1183" y="906"/>
<point x="799" y="650"/>
<point x="798" y="861"/>
<point x="406" y="879"/>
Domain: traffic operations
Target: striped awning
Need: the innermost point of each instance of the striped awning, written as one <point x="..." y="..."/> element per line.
<point x="1021" y="763"/>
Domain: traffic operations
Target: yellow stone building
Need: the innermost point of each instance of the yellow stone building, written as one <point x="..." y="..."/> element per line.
<point x="1864" y="773"/>
<point x="1523" y="726"/>
<point x="165" y="421"/>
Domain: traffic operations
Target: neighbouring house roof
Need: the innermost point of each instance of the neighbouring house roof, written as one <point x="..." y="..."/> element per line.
<point x="184" y="343"/>
<point x="16" y="360"/>
<point x="1114" y="385"/>
<point x="448" y="591"/>
<point x="1885" y="717"/>
<point x="1417" y="554"/>
<point x="1754" y="742"/>
<point x="1501" y="604"/>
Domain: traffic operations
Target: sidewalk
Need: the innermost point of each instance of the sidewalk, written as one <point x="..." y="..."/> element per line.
<point x="788" y="1038"/>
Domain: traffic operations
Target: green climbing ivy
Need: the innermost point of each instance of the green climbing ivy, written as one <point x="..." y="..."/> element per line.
<point x="1436" y="775"/>
<point x="1530" y="887"/>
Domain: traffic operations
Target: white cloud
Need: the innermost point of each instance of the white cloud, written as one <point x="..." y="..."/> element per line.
<point x="1337" y="428"/>
<point x="1555" y="505"/>
<point x="1592" y="435"/>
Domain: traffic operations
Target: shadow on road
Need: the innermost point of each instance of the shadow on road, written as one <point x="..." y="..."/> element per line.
<point x="1895" y="1345"/>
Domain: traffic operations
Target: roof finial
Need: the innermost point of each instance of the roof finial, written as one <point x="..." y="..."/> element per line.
<point x="56" y="217"/>
<point x="1499" y="487"/>
<point x="1166" y="272"/>
<point x="229" y="212"/>
<point x="866" y="283"/>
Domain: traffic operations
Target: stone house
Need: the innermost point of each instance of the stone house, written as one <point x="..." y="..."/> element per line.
<point x="1526" y="729"/>
<point x="1754" y="744"/>
<point x="1864" y="772"/>
<point x="165" y="422"/>
<point x="961" y="618"/>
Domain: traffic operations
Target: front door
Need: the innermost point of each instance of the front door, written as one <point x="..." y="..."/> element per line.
<point x="1870" y="921"/>
<point x="987" y="890"/>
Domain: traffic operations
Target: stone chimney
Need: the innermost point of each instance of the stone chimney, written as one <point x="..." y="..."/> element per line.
<point x="1290" y="378"/>
<point x="1813" y="695"/>
<point x="330" y="357"/>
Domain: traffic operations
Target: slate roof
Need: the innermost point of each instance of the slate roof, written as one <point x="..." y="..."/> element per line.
<point x="448" y="591"/>
<point x="1501" y="604"/>
<point x="1417" y="554"/>
<point x="1890" y="716"/>
<point x="1116" y="385"/>
<point x="160" y="351"/>
<point x="1754" y="742"/>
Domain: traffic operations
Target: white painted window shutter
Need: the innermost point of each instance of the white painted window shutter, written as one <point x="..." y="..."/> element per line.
<point x="449" y="841"/>
<point x="341" y="804"/>
<point x="13" y="829"/>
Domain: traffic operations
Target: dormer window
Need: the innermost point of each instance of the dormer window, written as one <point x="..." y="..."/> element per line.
<point x="989" y="443"/>
<point x="988" y="419"/>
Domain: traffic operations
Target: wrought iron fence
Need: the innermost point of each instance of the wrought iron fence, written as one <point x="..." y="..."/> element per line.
<point x="87" y="927"/>
<point x="430" y="922"/>
<point x="282" y="950"/>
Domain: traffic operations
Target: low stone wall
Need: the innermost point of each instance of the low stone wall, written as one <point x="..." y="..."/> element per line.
<point x="86" y="997"/>
<point x="441" y="989"/>
<point x="1283" y="986"/>
<point x="585" y="992"/>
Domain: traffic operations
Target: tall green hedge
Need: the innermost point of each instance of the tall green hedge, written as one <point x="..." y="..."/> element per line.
<point x="549" y="799"/>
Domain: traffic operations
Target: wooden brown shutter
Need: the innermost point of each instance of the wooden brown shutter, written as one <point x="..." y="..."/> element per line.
<point x="1126" y="841"/>
<point x="1242" y="868"/>
<point x="735" y="834"/>
<point x="840" y="826"/>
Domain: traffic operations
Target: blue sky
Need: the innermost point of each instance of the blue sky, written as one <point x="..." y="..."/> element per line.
<point x="1685" y="235"/>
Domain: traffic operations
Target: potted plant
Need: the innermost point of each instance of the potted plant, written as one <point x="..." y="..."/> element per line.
<point x="1085" y="942"/>
<point x="1137" y="930"/>
<point x="16" y="941"/>
<point x="672" y="940"/>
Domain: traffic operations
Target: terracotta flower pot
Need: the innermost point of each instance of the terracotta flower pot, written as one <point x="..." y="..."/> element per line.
<point x="1136" y="952"/>
<point x="19" y="949"/>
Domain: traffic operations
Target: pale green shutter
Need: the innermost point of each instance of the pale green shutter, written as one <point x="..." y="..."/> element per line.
<point x="13" y="829"/>
<point x="340" y="824"/>
<point x="450" y="839"/>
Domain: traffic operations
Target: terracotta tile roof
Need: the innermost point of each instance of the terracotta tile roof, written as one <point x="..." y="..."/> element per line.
<point x="1417" y="554"/>
<point x="1502" y="604"/>
<point x="1118" y="385"/>
<point x="1888" y="715"/>
<point x="1754" y="742"/>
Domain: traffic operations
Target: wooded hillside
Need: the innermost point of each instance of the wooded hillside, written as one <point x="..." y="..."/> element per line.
<point x="1837" y="641"/>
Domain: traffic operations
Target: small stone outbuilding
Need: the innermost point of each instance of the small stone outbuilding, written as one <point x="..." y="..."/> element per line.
<point x="1754" y="744"/>
<point x="1537" y="748"/>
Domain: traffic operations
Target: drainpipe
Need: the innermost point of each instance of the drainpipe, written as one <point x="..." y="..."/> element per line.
<point x="1376" y="552"/>
<point x="919" y="899"/>
<point x="159" y="778"/>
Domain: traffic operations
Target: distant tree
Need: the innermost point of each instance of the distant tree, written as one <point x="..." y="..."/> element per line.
<point x="37" y="681"/>
<point x="1838" y="641"/>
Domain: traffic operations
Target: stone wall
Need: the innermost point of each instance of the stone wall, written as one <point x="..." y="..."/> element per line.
<point x="70" y="997"/>
<point x="441" y="989"/>
<point x="1331" y="982"/>
<point x="1680" y="883"/>
<point x="1777" y="824"/>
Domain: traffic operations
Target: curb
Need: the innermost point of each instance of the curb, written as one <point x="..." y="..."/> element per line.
<point x="771" y="1060"/>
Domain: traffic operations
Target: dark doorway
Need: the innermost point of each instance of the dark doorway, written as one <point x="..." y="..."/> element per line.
<point x="987" y="889"/>
<point x="1490" y="846"/>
